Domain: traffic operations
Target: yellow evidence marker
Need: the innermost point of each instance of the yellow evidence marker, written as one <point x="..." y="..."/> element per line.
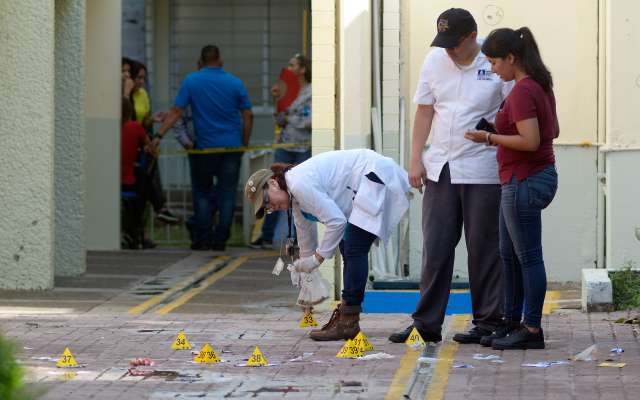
<point x="415" y="339"/>
<point x="207" y="355"/>
<point x="181" y="342"/>
<point x="257" y="359"/>
<point x="361" y="340"/>
<point x="350" y="350"/>
<point x="67" y="359"/>
<point x="308" y="320"/>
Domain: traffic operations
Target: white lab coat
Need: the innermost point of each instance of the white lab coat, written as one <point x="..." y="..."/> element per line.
<point x="332" y="188"/>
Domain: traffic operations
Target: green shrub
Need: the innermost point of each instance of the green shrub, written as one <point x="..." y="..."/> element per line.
<point x="626" y="288"/>
<point x="11" y="374"/>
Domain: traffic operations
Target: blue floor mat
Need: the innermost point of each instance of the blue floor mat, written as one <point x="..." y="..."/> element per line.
<point x="386" y="302"/>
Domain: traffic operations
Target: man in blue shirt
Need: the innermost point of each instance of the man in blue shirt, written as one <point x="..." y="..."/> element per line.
<point x="222" y="117"/>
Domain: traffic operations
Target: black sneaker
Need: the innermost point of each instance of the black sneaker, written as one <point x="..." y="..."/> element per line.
<point x="200" y="246"/>
<point x="218" y="246"/>
<point x="499" y="333"/>
<point x="401" y="337"/>
<point x="260" y="243"/>
<point x="165" y="215"/>
<point x="149" y="244"/>
<point x="521" y="339"/>
<point x="474" y="335"/>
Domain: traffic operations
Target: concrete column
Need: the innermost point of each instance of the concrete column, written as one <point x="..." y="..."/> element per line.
<point x="103" y="104"/>
<point x="69" y="168"/>
<point x="355" y="74"/>
<point x="26" y="144"/>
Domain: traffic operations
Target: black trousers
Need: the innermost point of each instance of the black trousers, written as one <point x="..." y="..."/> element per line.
<point x="446" y="209"/>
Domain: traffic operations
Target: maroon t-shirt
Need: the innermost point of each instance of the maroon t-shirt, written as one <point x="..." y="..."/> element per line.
<point x="527" y="100"/>
<point x="131" y="138"/>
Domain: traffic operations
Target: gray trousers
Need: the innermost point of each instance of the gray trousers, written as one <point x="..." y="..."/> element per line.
<point x="445" y="207"/>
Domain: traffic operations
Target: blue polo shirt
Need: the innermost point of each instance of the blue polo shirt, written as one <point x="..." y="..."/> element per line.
<point x="216" y="99"/>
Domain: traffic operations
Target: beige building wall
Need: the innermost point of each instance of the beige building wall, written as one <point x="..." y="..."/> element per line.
<point x="27" y="144"/>
<point x="70" y="132"/>
<point x="103" y="104"/>
<point x="570" y="225"/>
<point x="622" y="149"/>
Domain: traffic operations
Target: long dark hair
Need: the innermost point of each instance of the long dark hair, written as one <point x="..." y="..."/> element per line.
<point x="279" y="169"/>
<point x="521" y="43"/>
<point x="304" y="62"/>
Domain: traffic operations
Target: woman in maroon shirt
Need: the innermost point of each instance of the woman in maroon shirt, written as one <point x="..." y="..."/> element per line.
<point x="524" y="131"/>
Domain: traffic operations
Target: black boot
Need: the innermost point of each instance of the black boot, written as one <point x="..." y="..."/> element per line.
<point x="521" y="339"/>
<point x="499" y="333"/>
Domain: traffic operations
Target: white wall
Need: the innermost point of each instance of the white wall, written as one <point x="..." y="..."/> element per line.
<point x="103" y="105"/>
<point x="570" y="224"/>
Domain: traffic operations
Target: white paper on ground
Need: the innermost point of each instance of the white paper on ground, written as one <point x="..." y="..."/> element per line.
<point x="545" y="364"/>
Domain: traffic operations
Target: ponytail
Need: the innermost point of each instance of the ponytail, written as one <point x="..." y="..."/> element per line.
<point x="521" y="43"/>
<point x="279" y="169"/>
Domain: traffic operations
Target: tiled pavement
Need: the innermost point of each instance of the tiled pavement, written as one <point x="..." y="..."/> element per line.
<point x="249" y="307"/>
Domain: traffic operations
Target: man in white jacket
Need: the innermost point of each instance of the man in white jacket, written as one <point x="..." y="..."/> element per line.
<point x="455" y="92"/>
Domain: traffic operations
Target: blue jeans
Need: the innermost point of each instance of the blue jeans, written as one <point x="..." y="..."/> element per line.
<point x="354" y="247"/>
<point x="271" y="220"/>
<point x="209" y="198"/>
<point x="525" y="279"/>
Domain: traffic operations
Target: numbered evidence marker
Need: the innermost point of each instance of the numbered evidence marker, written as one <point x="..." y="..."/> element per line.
<point x="361" y="340"/>
<point x="415" y="339"/>
<point x="181" y="342"/>
<point x="350" y="350"/>
<point x="308" y="320"/>
<point x="207" y="355"/>
<point x="257" y="359"/>
<point x="67" y="359"/>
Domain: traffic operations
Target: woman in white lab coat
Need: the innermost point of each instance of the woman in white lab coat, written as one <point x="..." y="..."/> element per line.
<point x="359" y="195"/>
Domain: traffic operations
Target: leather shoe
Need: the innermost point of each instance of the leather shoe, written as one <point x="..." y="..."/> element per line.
<point x="474" y="335"/>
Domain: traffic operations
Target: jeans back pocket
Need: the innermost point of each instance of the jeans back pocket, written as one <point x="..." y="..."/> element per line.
<point x="542" y="187"/>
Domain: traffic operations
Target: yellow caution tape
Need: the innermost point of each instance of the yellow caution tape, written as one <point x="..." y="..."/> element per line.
<point x="243" y="149"/>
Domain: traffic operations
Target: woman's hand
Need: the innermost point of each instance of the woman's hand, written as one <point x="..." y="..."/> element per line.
<point x="477" y="136"/>
<point x="159" y="116"/>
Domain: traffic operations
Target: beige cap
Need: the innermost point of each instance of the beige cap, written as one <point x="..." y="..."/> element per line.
<point x="254" y="190"/>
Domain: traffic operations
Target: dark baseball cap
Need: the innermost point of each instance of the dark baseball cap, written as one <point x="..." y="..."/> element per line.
<point x="453" y="25"/>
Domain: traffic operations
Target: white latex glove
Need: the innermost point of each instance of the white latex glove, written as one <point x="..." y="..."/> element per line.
<point x="306" y="264"/>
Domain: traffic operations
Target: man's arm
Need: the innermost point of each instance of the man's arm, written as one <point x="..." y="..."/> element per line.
<point x="247" y="125"/>
<point x="421" y="129"/>
<point x="172" y="117"/>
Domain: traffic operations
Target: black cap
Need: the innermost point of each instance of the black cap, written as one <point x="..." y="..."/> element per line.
<point x="453" y="25"/>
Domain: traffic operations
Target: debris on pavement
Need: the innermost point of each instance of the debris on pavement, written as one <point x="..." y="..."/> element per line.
<point x="612" y="365"/>
<point x="617" y="350"/>
<point x="376" y="356"/>
<point x="463" y="366"/>
<point x="588" y="354"/>
<point x="488" y="357"/>
<point x="141" y="361"/>
<point x="545" y="364"/>
<point x="303" y="357"/>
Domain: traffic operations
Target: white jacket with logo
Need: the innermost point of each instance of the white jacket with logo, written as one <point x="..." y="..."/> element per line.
<point x="332" y="188"/>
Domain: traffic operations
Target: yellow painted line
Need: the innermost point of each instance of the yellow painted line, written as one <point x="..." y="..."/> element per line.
<point x="189" y="294"/>
<point x="550" y="302"/>
<point x="440" y="377"/>
<point x="157" y="299"/>
<point x="403" y="373"/>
